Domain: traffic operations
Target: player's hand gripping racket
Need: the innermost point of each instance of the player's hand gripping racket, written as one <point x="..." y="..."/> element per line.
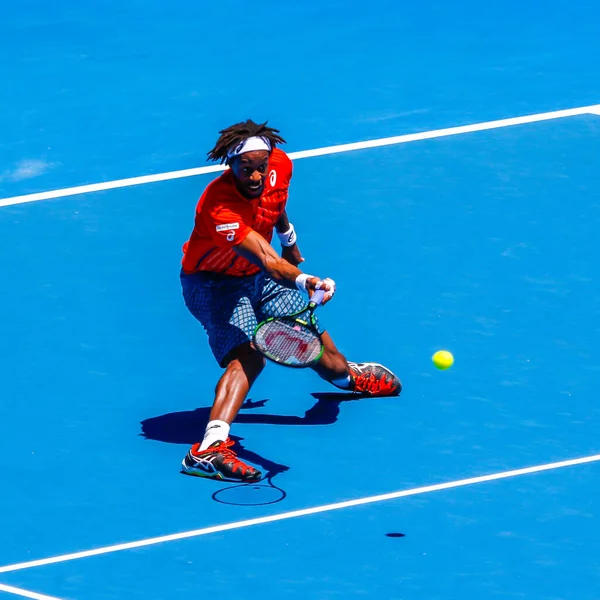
<point x="292" y="341"/>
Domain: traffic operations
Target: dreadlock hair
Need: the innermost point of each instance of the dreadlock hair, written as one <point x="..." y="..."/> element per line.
<point x="231" y="136"/>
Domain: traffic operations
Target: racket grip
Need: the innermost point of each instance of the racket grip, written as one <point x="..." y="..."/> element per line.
<point x="317" y="297"/>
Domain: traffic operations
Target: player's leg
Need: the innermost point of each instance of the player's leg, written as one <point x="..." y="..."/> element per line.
<point x="243" y="366"/>
<point x="333" y="365"/>
<point x="367" y="378"/>
<point x="224" y="308"/>
<point x="214" y="457"/>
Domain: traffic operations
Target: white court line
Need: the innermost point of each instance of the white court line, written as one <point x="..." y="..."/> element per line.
<point x="297" y="513"/>
<point x="400" y="139"/>
<point x="25" y="593"/>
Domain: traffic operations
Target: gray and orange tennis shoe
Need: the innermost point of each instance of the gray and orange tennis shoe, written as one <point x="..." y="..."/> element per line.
<point x="373" y="379"/>
<point x="219" y="462"/>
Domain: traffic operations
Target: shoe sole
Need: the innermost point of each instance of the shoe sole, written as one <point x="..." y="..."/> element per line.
<point x="370" y="394"/>
<point x="215" y="476"/>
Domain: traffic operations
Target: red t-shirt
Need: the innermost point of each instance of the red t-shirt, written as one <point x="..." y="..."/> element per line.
<point x="224" y="218"/>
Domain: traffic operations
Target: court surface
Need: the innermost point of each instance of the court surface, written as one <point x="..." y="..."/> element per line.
<point x="463" y="215"/>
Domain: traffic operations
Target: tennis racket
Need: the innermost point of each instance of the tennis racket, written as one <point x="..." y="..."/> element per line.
<point x="293" y="340"/>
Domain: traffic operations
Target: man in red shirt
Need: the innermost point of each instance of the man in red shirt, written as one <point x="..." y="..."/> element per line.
<point x="232" y="279"/>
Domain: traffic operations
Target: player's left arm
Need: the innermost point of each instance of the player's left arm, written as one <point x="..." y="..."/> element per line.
<point x="287" y="237"/>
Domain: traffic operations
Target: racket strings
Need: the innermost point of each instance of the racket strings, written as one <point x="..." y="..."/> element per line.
<point x="288" y="342"/>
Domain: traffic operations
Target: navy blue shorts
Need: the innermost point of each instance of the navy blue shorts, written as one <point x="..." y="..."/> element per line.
<point x="230" y="308"/>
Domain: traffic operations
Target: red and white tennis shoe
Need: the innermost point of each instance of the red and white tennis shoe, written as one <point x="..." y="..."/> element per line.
<point x="373" y="379"/>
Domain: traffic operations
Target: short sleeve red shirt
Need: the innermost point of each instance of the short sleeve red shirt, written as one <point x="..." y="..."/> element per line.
<point x="224" y="218"/>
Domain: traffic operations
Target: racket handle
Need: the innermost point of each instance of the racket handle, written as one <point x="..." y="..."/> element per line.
<point x="317" y="297"/>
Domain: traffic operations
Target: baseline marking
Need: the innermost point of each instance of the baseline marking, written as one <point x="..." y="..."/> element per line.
<point x="299" y="513"/>
<point x="400" y="139"/>
<point x="9" y="589"/>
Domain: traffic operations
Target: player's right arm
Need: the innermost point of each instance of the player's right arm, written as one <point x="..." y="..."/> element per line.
<point x="258" y="251"/>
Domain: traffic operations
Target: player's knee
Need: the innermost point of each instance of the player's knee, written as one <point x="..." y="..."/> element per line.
<point x="246" y="358"/>
<point x="253" y="362"/>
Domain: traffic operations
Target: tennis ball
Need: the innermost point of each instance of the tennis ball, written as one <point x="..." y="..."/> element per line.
<point x="443" y="359"/>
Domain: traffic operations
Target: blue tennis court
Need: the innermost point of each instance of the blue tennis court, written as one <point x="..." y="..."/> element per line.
<point x="480" y="240"/>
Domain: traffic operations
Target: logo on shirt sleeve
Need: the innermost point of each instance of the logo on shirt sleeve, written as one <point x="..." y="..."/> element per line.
<point x="273" y="178"/>
<point x="228" y="226"/>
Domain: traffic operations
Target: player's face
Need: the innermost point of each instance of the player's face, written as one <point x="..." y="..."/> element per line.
<point x="250" y="172"/>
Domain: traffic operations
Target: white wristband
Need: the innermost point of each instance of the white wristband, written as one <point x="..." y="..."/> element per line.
<point x="287" y="238"/>
<point x="301" y="281"/>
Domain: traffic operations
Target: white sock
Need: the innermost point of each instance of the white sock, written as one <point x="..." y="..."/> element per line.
<point x="216" y="431"/>
<point x="343" y="382"/>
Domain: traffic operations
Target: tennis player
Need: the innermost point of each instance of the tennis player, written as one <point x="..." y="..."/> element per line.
<point x="232" y="278"/>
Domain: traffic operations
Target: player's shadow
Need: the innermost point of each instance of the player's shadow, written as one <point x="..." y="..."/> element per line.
<point x="187" y="427"/>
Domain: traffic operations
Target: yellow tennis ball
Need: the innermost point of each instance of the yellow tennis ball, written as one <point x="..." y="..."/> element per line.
<point x="443" y="359"/>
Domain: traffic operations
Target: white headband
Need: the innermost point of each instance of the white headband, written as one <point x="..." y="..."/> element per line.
<point x="250" y="145"/>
